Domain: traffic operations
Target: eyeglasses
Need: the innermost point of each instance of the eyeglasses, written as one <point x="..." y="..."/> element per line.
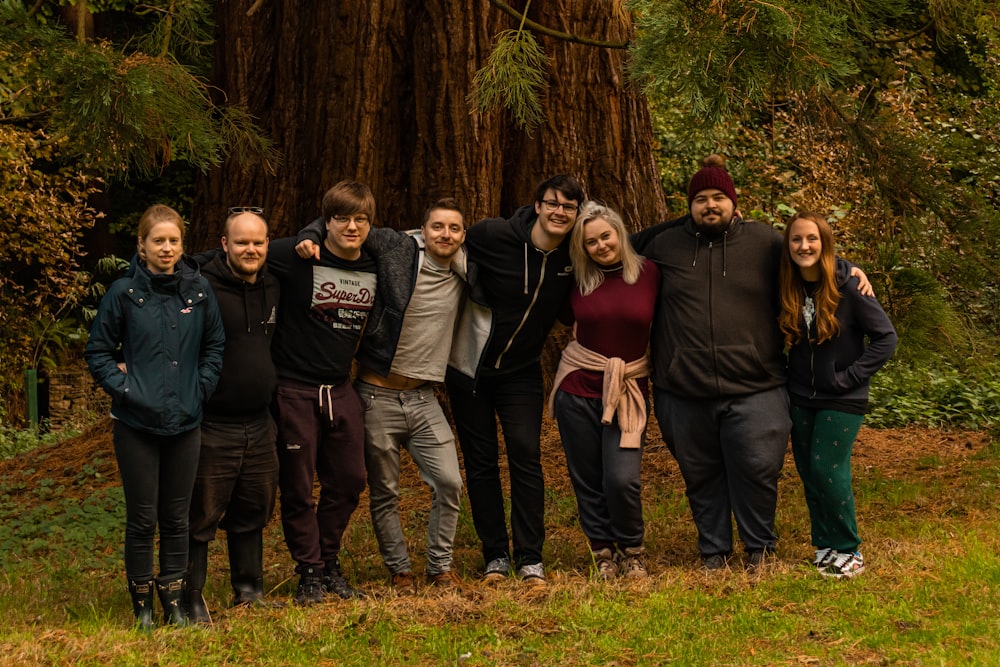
<point x="551" y="205"/>
<point x="256" y="210"/>
<point x="359" y="220"/>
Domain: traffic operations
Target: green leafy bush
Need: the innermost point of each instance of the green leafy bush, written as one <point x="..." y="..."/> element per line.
<point x="942" y="395"/>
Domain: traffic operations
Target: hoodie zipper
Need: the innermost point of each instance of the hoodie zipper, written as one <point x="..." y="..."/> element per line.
<point x="527" y="311"/>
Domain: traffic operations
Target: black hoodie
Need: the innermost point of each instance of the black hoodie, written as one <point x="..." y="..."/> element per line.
<point x="249" y="315"/>
<point x="526" y="288"/>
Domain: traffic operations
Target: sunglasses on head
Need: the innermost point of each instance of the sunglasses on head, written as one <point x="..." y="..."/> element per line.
<point x="256" y="210"/>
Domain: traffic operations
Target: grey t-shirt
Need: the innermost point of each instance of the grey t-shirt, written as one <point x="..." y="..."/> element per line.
<point x="429" y="323"/>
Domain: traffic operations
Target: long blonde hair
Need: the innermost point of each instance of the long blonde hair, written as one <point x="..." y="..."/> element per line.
<point x="827" y="295"/>
<point x="589" y="275"/>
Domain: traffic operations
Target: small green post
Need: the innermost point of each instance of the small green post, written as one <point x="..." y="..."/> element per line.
<point x="31" y="392"/>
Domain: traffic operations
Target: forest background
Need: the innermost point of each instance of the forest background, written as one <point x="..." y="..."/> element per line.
<point x="884" y="115"/>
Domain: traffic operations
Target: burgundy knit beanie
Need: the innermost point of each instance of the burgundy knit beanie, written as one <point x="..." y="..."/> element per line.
<point x="712" y="175"/>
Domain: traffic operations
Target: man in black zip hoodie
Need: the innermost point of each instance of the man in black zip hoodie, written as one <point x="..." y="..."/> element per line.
<point x="525" y="276"/>
<point x="238" y="466"/>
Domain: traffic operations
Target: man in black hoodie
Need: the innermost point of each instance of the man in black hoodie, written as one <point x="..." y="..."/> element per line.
<point x="525" y="277"/>
<point x="238" y="466"/>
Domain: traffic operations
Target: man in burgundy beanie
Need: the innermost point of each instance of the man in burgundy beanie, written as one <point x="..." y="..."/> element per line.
<point x="718" y="366"/>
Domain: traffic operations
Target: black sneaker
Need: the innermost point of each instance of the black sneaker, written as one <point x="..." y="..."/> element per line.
<point x="715" y="562"/>
<point x="310" y="588"/>
<point x="335" y="584"/>
<point x="757" y="559"/>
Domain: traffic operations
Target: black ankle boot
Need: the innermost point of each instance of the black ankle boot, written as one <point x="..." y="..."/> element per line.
<point x="142" y="603"/>
<point x="171" y="591"/>
<point x="246" y="567"/>
<point x="194" y="601"/>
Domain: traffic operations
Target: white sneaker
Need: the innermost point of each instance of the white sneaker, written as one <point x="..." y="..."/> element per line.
<point x="823" y="557"/>
<point x="844" y="566"/>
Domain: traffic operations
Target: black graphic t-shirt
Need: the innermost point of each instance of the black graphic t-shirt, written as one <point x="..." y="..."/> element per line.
<point x="325" y="306"/>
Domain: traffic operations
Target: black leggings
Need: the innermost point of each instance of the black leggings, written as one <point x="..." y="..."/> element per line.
<point x="158" y="474"/>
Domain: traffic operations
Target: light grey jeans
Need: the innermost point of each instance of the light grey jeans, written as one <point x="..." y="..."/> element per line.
<point x="411" y="420"/>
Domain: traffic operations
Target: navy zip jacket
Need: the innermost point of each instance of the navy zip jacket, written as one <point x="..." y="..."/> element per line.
<point x="841" y="368"/>
<point x="171" y="338"/>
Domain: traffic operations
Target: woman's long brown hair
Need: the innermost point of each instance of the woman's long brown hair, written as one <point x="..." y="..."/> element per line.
<point x="827" y="295"/>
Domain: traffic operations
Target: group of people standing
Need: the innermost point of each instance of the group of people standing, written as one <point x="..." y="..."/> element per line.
<point x="233" y="381"/>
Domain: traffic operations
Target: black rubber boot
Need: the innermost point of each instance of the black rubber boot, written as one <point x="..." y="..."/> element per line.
<point x="142" y="603"/>
<point x="246" y="554"/>
<point x="197" y="573"/>
<point x="171" y="590"/>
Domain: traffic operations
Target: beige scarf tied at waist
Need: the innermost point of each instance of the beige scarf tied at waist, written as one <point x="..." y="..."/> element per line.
<point x="621" y="391"/>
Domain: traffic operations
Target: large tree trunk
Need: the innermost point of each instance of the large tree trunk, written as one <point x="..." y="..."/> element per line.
<point x="375" y="91"/>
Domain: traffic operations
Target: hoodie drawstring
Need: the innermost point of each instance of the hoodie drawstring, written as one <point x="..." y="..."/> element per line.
<point x="697" y="245"/>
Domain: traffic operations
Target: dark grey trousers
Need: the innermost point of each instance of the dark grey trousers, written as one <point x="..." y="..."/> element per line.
<point x="730" y="451"/>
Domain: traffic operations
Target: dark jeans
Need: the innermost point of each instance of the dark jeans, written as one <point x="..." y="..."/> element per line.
<point x="237" y="478"/>
<point x="605" y="476"/>
<point x="730" y="451"/>
<point x="327" y="442"/>
<point x="516" y="398"/>
<point x="157" y="474"/>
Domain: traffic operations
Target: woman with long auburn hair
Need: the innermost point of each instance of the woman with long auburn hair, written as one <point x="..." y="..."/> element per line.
<point x="599" y="392"/>
<point x="825" y="321"/>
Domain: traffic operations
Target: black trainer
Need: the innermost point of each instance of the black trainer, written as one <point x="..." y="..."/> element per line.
<point x="335" y="584"/>
<point x="310" y="587"/>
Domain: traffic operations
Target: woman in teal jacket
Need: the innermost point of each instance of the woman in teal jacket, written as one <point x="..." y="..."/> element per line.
<point x="156" y="347"/>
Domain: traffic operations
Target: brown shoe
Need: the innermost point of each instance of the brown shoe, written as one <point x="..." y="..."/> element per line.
<point x="446" y="580"/>
<point x="632" y="566"/>
<point x="404" y="583"/>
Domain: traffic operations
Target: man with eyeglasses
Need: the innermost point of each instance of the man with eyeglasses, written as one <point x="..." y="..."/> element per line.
<point x="325" y="306"/>
<point x="237" y="475"/>
<point x="525" y="276"/>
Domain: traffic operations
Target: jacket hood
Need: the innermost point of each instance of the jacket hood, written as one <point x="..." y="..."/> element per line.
<point x="524" y="219"/>
<point x="214" y="264"/>
<point x="843" y="273"/>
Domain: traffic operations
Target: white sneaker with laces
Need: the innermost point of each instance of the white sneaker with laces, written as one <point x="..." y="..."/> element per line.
<point x="844" y="566"/>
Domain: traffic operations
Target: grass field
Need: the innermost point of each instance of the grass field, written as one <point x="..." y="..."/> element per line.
<point x="928" y="509"/>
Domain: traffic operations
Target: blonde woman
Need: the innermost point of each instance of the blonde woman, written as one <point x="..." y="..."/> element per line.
<point x="599" y="396"/>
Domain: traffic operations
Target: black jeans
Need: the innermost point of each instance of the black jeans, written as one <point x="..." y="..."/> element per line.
<point x="237" y="478"/>
<point x="517" y="399"/>
<point x="157" y="476"/>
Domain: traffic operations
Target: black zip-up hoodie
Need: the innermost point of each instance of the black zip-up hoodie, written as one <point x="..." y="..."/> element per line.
<point x="249" y="315"/>
<point x="524" y="287"/>
<point x="842" y="367"/>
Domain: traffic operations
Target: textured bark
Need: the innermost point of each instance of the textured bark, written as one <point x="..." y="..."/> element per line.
<point x="375" y="91"/>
